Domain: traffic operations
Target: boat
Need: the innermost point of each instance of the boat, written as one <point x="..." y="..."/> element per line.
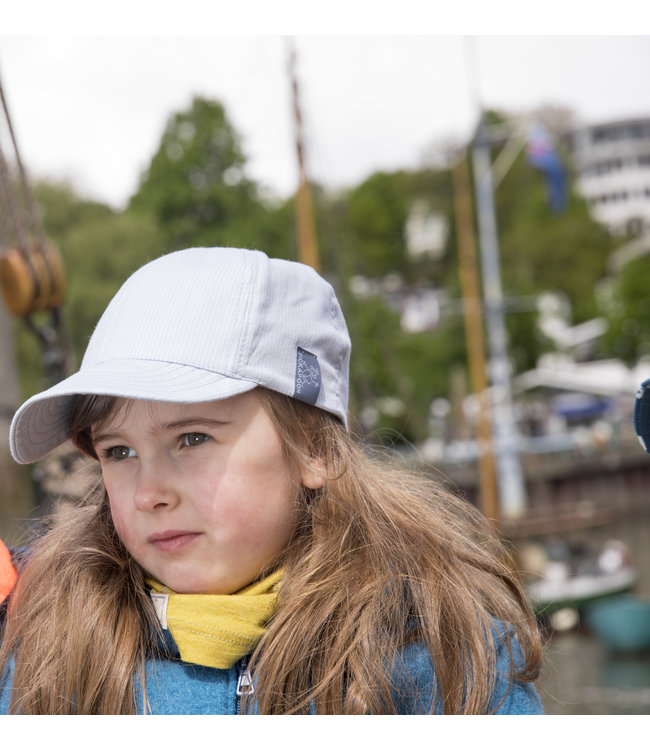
<point x="579" y="591"/>
<point x="572" y="577"/>
<point x="621" y="622"/>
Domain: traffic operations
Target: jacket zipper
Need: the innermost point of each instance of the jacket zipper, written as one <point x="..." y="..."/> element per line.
<point x="245" y="684"/>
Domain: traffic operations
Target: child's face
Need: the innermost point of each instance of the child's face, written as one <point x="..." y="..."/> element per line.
<point x="201" y="494"/>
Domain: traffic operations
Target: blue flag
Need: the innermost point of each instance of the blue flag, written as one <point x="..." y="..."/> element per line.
<point x="543" y="156"/>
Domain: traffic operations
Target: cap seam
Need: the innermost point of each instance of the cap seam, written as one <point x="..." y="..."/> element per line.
<point x="228" y="374"/>
<point x="333" y="317"/>
<point x="244" y="340"/>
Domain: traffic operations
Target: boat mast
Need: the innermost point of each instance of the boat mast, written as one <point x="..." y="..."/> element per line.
<point x="306" y="228"/>
<point x="473" y="317"/>
<point x="512" y="487"/>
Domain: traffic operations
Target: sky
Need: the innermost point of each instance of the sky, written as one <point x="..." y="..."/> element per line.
<point x="89" y="101"/>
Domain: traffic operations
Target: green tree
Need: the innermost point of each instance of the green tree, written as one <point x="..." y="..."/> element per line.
<point x="541" y="251"/>
<point x="395" y="374"/>
<point x="375" y="218"/>
<point x="196" y="187"/>
<point x="628" y="313"/>
<point x="376" y="214"/>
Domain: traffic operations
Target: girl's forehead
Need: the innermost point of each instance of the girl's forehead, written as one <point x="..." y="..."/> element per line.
<point x="117" y="416"/>
<point x="125" y="409"/>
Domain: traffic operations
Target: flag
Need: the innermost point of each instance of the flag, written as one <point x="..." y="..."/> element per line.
<point x="542" y="155"/>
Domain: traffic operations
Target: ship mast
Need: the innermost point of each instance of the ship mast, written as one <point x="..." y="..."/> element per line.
<point x="305" y="224"/>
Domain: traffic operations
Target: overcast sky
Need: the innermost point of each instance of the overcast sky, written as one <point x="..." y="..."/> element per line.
<point x="92" y="108"/>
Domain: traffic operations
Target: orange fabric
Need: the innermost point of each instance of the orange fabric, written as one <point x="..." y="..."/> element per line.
<point x="8" y="573"/>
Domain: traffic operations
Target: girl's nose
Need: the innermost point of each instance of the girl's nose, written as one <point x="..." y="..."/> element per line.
<point x="153" y="489"/>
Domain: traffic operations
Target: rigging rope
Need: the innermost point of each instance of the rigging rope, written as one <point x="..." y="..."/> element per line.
<point x="33" y="285"/>
<point x="31" y="271"/>
<point x="31" y="204"/>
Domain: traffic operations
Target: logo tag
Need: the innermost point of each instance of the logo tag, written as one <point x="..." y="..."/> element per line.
<point x="308" y="376"/>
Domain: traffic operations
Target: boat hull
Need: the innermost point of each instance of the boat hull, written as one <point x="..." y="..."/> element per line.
<point x="547" y="597"/>
<point x="621" y="622"/>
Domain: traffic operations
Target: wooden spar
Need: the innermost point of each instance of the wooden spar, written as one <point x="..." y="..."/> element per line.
<point x="474" y="335"/>
<point x="306" y="228"/>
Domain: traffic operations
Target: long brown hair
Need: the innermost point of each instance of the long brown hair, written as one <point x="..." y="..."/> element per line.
<point x="379" y="558"/>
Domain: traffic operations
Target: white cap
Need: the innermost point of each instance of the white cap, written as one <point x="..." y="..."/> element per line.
<point x="201" y="325"/>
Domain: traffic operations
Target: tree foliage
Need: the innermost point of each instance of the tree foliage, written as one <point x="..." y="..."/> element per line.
<point x="542" y="251"/>
<point x="628" y="312"/>
<point x="376" y="213"/>
<point x="395" y="374"/>
<point x="196" y="187"/>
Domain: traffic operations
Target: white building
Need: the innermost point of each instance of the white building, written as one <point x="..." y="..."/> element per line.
<point x="612" y="163"/>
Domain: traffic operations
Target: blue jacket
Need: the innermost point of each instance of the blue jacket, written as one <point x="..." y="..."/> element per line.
<point x="177" y="687"/>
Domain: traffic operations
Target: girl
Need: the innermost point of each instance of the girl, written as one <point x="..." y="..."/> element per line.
<point x="240" y="552"/>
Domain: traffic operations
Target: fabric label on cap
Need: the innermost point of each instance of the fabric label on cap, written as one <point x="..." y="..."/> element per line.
<point x="308" y="377"/>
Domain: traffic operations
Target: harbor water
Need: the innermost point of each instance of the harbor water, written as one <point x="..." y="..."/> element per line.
<point x="582" y="676"/>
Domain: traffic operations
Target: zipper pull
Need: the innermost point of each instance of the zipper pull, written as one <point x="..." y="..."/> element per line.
<point x="245" y="684"/>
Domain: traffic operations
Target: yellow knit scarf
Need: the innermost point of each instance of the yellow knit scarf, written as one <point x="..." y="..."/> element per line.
<point x="216" y="630"/>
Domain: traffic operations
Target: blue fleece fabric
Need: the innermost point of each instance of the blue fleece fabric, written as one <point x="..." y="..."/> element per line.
<point x="175" y="687"/>
<point x="413" y="682"/>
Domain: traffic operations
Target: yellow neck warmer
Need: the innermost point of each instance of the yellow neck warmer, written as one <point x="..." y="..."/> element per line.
<point x="216" y="630"/>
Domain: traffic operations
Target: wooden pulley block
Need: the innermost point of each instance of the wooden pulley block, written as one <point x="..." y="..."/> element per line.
<point x="18" y="282"/>
<point x="46" y="261"/>
<point x="32" y="279"/>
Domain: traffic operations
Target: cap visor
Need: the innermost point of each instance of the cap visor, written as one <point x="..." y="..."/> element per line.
<point x="41" y="423"/>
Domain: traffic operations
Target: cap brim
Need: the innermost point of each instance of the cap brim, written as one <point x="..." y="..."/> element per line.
<point x="41" y="424"/>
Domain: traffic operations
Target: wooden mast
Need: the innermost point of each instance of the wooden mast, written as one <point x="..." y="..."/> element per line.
<point x="474" y="335"/>
<point x="306" y="228"/>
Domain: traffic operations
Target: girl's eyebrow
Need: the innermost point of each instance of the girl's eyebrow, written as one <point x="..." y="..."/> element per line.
<point x="101" y="437"/>
<point x="180" y="424"/>
<point x="194" y="422"/>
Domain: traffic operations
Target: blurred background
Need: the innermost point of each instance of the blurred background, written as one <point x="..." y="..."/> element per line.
<point x="481" y="205"/>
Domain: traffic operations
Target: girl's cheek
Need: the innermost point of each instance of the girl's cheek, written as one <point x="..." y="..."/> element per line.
<point x="229" y="514"/>
<point x="119" y="521"/>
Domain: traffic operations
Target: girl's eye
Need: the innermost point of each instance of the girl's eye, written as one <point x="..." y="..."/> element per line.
<point x="119" y="452"/>
<point x="192" y="439"/>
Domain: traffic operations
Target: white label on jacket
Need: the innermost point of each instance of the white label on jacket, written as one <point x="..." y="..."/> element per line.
<point x="160" y="605"/>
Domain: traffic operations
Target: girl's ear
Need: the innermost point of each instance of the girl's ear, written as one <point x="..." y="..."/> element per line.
<point x="312" y="476"/>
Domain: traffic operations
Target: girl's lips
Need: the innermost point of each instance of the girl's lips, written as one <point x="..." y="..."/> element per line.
<point x="171" y="541"/>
